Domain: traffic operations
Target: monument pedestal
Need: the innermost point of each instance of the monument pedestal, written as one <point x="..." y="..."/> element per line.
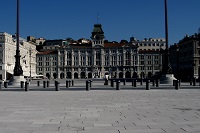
<point x="16" y="80"/>
<point x="167" y="79"/>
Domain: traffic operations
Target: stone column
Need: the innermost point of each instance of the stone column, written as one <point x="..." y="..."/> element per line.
<point x="102" y="63"/>
<point x="65" y="72"/>
<point x="58" y="71"/>
<point x="72" y="68"/>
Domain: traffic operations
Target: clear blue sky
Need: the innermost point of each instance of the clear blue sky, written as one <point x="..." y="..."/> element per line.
<point x="121" y="19"/>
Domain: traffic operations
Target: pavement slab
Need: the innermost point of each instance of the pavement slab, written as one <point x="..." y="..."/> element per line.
<point x="102" y="109"/>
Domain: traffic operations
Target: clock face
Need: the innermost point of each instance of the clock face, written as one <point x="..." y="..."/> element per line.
<point x="97" y="37"/>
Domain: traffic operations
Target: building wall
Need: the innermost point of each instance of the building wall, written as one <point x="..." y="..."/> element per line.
<point x="188" y="56"/>
<point x="8" y="50"/>
<point x="91" y="62"/>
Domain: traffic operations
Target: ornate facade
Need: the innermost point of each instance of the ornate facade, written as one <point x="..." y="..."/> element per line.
<point x="61" y="59"/>
<point x="91" y="60"/>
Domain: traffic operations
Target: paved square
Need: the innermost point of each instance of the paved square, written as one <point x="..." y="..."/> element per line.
<point x="99" y="110"/>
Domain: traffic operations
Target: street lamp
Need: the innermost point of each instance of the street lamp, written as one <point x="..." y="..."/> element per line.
<point x="167" y="68"/>
<point x="18" y="72"/>
<point x="17" y="69"/>
<point x="167" y="77"/>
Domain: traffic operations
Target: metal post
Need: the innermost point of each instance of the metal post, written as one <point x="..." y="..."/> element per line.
<point x="57" y="88"/>
<point x="38" y="83"/>
<point x="22" y="84"/>
<point x="157" y="82"/>
<point x="118" y="85"/>
<point x="47" y="84"/>
<point x="0" y="85"/>
<point x="44" y="84"/>
<point x="148" y="85"/>
<point x="5" y="84"/>
<point x="26" y="86"/>
<point x="87" y="85"/>
<point x="194" y="81"/>
<point x="135" y="82"/>
<point x="67" y="84"/>
<point x="90" y="83"/>
<point x="177" y="87"/>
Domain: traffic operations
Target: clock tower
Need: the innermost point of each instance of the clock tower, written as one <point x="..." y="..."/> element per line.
<point x="97" y="36"/>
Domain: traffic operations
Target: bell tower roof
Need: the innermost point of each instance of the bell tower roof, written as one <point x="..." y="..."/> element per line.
<point x="97" y="30"/>
<point x="97" y="36"/>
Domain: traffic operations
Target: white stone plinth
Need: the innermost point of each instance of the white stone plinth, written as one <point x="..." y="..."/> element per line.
<point x="16" y="80"/>
<point x="167" y="79"/>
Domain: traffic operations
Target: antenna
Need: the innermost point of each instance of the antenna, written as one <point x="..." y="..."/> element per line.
<point x="97" y="18"/>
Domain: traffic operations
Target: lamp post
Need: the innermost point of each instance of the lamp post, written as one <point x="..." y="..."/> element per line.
<point x="17" y="69"/>
<point x="167" y="77"/>
<point x="167" y="68"/>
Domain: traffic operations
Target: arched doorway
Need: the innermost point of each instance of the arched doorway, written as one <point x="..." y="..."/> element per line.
<point x="76" y="75"/>
<point x="82" y="75"/>
<point x="62" y="75"/>
<point x="54" y="75"/>
<point x="48" y="75"/>
<point x="128" y="74"/>
<point x="69" y="75"/>
<point x="89" y="75"/>
<point x="121" y="75"/>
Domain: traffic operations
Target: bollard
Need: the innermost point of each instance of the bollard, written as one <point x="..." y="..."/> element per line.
<point x="26" y="86"/>
<point x="148" y="85"/>
<point x="22" y="84"/>
<point x="177" y="87"/>
<point x="87" y="85"/>
<point x="153" y="82"/>
<point x="111" y="84"/>
<point x="194" y="81"/>
<point x="67" y="84"/>
<point x="57" y="88"/>
<point x="48" y="84"/>
<point x="0" y="85"/>
<point x="38" y="83"/>
<point x="118" y="85"/>
<point x="157" y="82"/>
<point x="135" y="82"/>
<point x="124" y="81"/>
<point x="44" y="84"/>
<point x="132" y="81"/>
<point x="72" y="82"/>
<point x="90" y="83"/>
<point x="5" y="84"/>
<point x="141" y="82"/>
<point x="190" y="81"/>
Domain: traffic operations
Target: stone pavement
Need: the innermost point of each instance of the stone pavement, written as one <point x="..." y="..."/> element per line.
<point x="101" y="110"/>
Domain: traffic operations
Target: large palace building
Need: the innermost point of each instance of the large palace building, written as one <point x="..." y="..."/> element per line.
<point x="97" y="58"/>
